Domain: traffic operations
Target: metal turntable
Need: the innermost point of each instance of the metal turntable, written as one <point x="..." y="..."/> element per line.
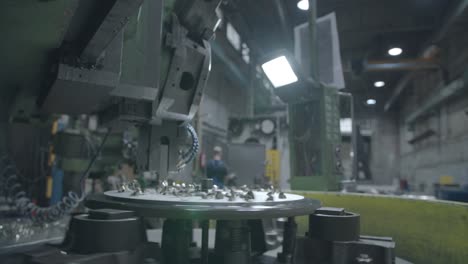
<point x="238" y="212"/>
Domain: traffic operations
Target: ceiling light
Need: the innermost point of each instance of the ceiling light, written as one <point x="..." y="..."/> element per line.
<point x="371" y="102"/>
<point x="303" y="4"/>
<point x="279" y="72"/>
<point x="395" y="51"/>
<point x="379" y="84"/>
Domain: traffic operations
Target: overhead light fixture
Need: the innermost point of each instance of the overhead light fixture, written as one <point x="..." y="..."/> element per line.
<point x="303" y="4"/>
<point x="279" y="71"/>
<point x="284" y="76"/>
<point x="395" y="51"/>
<point x="371" y="102"/>
<point x="379" y="84"/>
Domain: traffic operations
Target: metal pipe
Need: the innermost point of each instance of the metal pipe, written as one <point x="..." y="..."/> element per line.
<point x="398" y="90"/>
<point x="314" y="62"/>
<point x="205" y="225"/>
<point x="289" y="241"/>
<point x="232" y="242"/>
<point x="354" y="168"/>
<point x="284" y="22"/>
<point x="401" y="65"/>
<point x="175" y="242"/>
<point x="354" y="134"/>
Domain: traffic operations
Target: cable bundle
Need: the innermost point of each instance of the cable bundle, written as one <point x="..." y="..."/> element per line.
<point x="15" y="195"/>
<point x="192" y="152"/>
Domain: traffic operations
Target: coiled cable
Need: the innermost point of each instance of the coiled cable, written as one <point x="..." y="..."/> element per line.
<point x="15" y="194"/>
<point x="188" y="156"/>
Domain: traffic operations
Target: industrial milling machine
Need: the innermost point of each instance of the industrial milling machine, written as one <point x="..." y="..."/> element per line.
<point x="145" y="64"/>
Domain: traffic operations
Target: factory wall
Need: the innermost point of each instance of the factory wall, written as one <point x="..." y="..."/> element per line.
<point x="250" y="130"/>
<point x="444" y="152"/>
<point x="384" y="160"/>
<point x="397" y="149"/>
<point x="223" y="98"/>
<point x="383" y="131"/>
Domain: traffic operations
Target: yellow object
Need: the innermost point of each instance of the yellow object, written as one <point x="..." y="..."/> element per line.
<point x="446" y="180"/>
<point x="54" y="127"/>
<point x="272" y="169"/>
<point x="51" y="160"/>
<point x="49" y="187"/>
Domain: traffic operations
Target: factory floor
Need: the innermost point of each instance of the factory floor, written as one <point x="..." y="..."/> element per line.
<point x="154" y="235"/>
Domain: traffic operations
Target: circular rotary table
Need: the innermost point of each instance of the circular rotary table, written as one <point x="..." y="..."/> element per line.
<point x="152" y="204"/>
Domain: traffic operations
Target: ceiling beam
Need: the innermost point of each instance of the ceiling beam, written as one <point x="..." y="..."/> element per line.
<point x="398" y="90"/>
<point x="284" y="22"/>
<point x="401" y="65"/>
<point x="391" y="29"/>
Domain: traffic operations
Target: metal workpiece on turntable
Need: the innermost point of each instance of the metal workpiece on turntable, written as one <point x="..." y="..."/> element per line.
<point x="263" y="204"/>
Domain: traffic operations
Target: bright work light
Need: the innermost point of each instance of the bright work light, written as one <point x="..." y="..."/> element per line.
<point x="379" y="84"/>
<point x="279" y="72"/>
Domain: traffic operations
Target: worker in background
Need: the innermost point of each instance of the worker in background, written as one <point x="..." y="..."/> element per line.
<point x="216" y="169"/>
<point x="124" y="174"/>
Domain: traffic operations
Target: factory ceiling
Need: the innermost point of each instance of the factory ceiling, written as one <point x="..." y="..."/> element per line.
<point x="367" y="30"/>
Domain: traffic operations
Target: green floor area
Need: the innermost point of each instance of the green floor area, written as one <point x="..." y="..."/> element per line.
<point x="424" y="231"/>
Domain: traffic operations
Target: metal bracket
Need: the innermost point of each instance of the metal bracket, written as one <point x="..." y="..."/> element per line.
<point x="186" y="78"/>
